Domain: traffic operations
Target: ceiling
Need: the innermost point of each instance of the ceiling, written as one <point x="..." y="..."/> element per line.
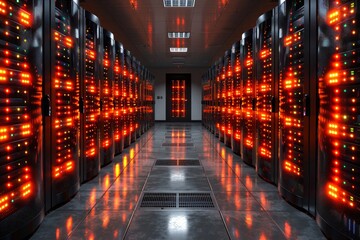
<point x="142" y="26"/>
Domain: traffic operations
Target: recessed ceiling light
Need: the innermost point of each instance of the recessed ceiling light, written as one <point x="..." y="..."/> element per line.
<point x="178" y="35"/>
<point x="178" y="50"/>
<point x="179" y="3"/>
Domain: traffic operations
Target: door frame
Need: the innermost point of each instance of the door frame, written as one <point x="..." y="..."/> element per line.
<point x="178" y="76"/>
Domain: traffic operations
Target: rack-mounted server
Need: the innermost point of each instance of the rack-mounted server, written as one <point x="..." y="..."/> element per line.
<point x="248" y="102"/>
<point x="266" y="96"/>
<point x="237" y="97"/>
<point x="338" y="195"/>
<point x="61" y="101"/>
<point x="21" y="79"/>
<point x="90" y="96"/>
<point x="107" y="149"/>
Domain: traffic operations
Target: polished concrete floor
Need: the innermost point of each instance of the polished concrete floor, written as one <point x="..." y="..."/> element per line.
<point x="220" y="198"/>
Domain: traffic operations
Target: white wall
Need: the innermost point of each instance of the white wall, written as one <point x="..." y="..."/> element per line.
<point x="160" y="90"/>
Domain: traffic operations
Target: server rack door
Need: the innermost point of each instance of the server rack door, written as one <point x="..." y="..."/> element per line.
<point x="266" y="117"/>
<point x="90" y="92"/>
<point x="338" y="196"/>
<point x="21" y="79"/>
<point x="237" y="95"/>
<point x="118" y="95"/>
<point x="228" y="98"/>
<point x="61" y="116"/>
<point x="107" y="99"/>
<point x="222" y="98"/>
<point x="248" y="100"/>
<point x="297" y="161"/>
<point x="214" y="99"/>
<point x="126" y="97"/>
<point x="178" y="97"/>
<point x="217" y="99"/>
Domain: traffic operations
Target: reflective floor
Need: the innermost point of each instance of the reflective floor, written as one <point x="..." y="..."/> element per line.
<point x="157" y="189"/>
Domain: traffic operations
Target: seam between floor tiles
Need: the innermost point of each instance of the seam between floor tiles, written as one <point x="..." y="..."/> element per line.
<point x="238" y="177"/>
<point x="87" y="212"/>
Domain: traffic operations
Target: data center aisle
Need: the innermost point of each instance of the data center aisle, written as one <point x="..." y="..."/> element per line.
<point x="178" y="182"/>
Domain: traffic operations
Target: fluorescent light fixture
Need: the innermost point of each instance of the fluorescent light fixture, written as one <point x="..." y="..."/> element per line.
<point x="178" y="35"/>
<point x="178" y="50"/>
<point x="179" y="3"/>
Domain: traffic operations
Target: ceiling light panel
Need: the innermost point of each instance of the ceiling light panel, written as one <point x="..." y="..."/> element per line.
<point x="179" y="3"/>
<point x="178" y="35"/>
<point x="178" y="50"/>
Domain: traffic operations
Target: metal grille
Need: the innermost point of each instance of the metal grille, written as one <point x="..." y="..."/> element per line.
<point x="188" y="163"/>
<point x="186" y="144"/>
<point x="166" y="162"/>
<point x="167" y="200"/>
<point x="177" y="144"/>
<point x="177" y="162"/>
<point x="174" y="137"/>
<point x="195" y="200"/>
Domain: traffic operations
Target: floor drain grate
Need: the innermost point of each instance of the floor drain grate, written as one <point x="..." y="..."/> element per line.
<point x="195" y="200"/>
<point x="174" y="137"/>
<point x="189" y="163"/>
<point x="166" y="162"/>
<point x="177" y="144"/>
<point x="177" y="162"/>
<point x="167" y="200"/>
<point x="177" y="200"/>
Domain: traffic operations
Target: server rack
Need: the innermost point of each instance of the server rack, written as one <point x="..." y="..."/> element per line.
<point x="126" y="98"/>
<point x="142" y="100"/>
<point x="21" y="78"/>
<point x="107" y="148"/>
<point x="118" y="98"/>
<point x="222" y="95"/>
<point x="297" y="104"/>
<point x="90" y="96"/>
<point x="213" y="99"/>
<point x="61" y="101"/>
<point x="228" y="98"/>
<point x="237" y="96"/>
<point x="266" y="96"/>
<point x="138" y="107"/>
<point x="217" y="95"/>
<point x="338" y="196"/>
<point x="248" y="97"/>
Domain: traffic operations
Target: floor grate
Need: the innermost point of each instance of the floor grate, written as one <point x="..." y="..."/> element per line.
<point x="177" y="144"/>
<point x="195" y="200"/>
<point x="167" y="200"/>
<point x="174" y="137"/>
<point x="188" y="162"/>
<point x="177" y="162"/>
<point x="177" y="200"/>
<point x="166" y="162"/>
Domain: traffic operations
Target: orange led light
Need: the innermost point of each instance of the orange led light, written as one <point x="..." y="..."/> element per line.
<point x="25" y="18"/>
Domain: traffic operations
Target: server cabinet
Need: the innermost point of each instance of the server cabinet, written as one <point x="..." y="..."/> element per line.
<point x="61" y="101"/>
<point x="21" y="78"/>
<point x="221" y="97"/>
<point x="297" y="104"/>
<point x="118" y="98"/>
<point x="142" y="100"/>
<point x="137" y="96"/>
<point x="248" y="97"/>
<point x="266" y="96"/>
<point x="107" y="149"/>
<point x="213" y="99"/>
<point x="229" y="82"/>
<point x="237" y="96"/>
<point x="338" y="196"/>
<point x="90" y="97"/>
<point x="126" y="98"/>
<point x="217" y="95"/>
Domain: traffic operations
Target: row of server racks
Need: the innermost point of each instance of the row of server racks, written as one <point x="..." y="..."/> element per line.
<point x="71" y="98"/>
<point x="286" y="98"/>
